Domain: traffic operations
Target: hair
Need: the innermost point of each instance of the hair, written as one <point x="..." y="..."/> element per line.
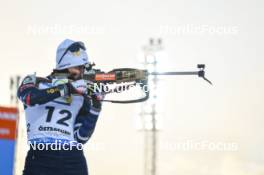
<point x="66" y="71"/>
<point x="59" y="71"/>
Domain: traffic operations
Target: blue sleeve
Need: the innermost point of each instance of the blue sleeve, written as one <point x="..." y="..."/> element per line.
<point x="30" y="95"/>
<point x="85" y="122"/>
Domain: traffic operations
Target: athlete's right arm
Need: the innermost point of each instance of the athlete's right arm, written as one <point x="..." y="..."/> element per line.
<point x="30" y="95"/>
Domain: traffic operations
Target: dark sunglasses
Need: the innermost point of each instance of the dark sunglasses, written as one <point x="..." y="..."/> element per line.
<point x="75" y="47"/>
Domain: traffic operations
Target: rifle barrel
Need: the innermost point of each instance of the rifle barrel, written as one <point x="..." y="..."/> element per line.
<point x="174" y="73"/>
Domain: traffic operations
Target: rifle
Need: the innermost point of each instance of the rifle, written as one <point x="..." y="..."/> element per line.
<point x="127" y="75"/>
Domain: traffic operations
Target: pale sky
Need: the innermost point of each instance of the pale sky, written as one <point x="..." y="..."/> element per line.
<point x="225" y="35"/>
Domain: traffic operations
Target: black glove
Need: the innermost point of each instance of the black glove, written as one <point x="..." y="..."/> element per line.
<point x="96" y="102"/>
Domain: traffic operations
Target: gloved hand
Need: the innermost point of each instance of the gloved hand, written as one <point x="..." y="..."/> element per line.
<point x="96" y="102"/>
<point x="79" y="87"/>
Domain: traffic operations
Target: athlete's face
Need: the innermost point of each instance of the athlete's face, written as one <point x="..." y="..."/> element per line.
<point x="76" y="72"/>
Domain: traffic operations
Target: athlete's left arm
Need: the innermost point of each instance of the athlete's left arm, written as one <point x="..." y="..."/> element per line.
<point x="86" y="120"/>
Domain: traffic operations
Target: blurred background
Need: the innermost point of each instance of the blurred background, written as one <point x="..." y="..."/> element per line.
<point x="195" y="117"/>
